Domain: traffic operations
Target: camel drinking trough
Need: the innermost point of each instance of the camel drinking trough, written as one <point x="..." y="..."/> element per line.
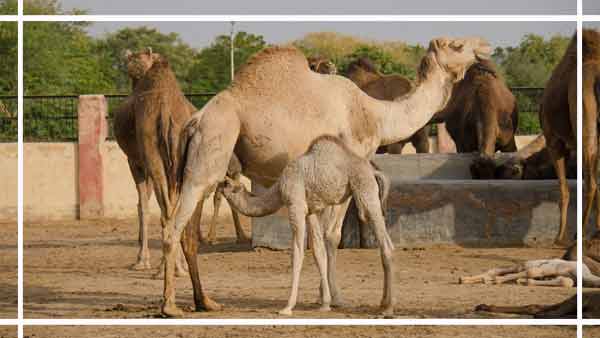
<point x="433" y="200"/>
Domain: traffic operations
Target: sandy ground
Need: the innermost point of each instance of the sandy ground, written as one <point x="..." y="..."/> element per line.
<point x="8" y="332"/>
<point x="304" y="332"/>
<point x="591" y="332"/>
<point x="80" y="270"/>
<point x="8" y="270"/>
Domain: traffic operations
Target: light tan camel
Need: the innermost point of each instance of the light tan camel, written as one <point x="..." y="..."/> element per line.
<point x="387" y="87"/>
<point x="328" y="174"/>
<point x="272" y="112"/>
<point x="591" y="99"/>
<point x="558" y="117"/>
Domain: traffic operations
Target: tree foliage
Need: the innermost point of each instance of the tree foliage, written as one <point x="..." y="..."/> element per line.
<point x="8" y="7"/>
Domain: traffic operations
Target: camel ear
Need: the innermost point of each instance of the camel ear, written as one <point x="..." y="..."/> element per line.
<point x="149" y="50"/>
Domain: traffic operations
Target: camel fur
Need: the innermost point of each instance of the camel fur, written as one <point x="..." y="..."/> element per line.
<point x="273" y="111"/>
<point x="327" y="174"/>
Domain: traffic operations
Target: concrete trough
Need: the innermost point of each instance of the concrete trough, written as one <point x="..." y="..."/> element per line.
<point x="433" y="201"/>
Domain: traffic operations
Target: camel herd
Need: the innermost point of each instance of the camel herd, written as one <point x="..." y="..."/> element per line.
<point x="252" y="128"/>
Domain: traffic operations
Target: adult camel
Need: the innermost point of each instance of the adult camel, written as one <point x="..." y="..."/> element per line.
<point x="273" y="111"/>
<point x="591" y="99"/>
<point x="558" y="117"/>
<point x="387" y="87"/>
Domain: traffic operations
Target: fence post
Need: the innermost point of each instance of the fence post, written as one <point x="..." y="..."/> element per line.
<point x="444" y="141"/>
<point x="91" y="111"/>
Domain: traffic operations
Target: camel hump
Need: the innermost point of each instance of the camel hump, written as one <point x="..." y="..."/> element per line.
<point x="272" y="60"/>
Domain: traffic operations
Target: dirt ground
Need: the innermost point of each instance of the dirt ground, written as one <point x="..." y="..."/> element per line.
<point x="303" y="331"/>
<point x="8" y="332"/>
<point x="591" y="332"/>
<point x="8" y="270"/>
<point x="80" y="270"/>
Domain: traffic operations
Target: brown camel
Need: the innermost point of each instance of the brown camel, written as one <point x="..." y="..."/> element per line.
<point x="327" y="174"/>
<point x="558" y="117"/>
<point x="591" y="99"/>
<point x="532" y="162"/>
<point x="387" y="87"/>
<point x="272" y="112"/>
<point x="482" y="115"/>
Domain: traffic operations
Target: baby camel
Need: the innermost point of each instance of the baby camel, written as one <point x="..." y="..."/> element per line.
<point x="327" y="174"/>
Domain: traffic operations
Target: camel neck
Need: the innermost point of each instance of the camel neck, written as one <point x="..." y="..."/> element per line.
<point x="407" y="114"/>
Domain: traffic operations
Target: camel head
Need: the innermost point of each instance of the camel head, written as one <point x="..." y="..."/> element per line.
<point x="232" y="187"/>
<point x="138" y="63"/>
<point x="455" y="56"/>
<point x="322" y="65"/>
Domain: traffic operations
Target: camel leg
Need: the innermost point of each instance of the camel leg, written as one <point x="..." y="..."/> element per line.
<point x="143" y="186"/>
<point x="297" y="216"/>
<point x="557" y="281"/>
<point x="320" y="255"/>
<point x="242" y="238"/>
<point x="489" y="276"/>
<point x="332" y="219"/>
<point x="560" y="167"/>
<point x="590" y="159"/>
<point x="209" y="150"/>
<point x="217" y="199"/>
<point x="369" y="211"/>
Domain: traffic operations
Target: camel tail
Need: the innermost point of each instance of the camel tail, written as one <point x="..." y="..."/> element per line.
<point x="384" y="188"/>
<point x="253" y="205"/>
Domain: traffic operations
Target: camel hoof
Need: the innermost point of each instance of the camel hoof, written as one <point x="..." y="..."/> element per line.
<point x="209" y="305"/>
<point x="325" y="308"/>
<point x="285" y="312"/>
<point x="482" y="307"/>
<point x="172" y="311"/>
<point x="388" y="312"/>
<point x="338" y="303"/>
<point x="562" y="243"/>
<point x="140" y="266"/>
<point x="244" y="240"/>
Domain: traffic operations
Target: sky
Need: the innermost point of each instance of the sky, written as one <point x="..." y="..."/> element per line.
<point x="423" y="7"/>
<point x="591" y="7"/>
<point x="201" y="34"/>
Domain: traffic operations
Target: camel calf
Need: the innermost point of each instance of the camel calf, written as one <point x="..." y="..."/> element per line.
<point x="327" y="174"/>
<point x="546" y="272"/>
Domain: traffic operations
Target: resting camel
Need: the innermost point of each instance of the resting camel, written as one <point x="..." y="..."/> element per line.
<point x="138" y="65"/>
<point x="532" y="162"/>
<point x="387" y="87"/>
<point x="258" y="117"/>
<point x="482" y="114"/>
<point x="558" y="117"/>
<point x="591" y="98"/>
<point x="327" y="174"/>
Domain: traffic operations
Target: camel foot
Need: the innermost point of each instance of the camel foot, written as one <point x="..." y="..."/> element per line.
<point x="387" y="311"/>
<point x="285" y="312"/>
<point x="172" y="311"/>
<point x="244" y="240"/>
<point x="325" y="308"/>
<point x="208" y="305"/>
<point x="338" y="302"/>
<point x="482" y="307"/>
<point x="562" y="243"/>
<point x="141" y="265"/>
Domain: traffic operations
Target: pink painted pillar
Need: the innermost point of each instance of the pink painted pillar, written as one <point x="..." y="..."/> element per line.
<point x="444" y="141"/>
<point x="91" y="112"/>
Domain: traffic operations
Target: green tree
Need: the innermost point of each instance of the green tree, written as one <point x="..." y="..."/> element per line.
<point x="8" y="7"/>
<point x="8" y="58"/>
<point x="46" y="7"/>
<point x="111" y="51"/>
<point x="211" y="69"/>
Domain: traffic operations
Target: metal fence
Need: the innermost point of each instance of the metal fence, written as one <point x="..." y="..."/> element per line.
<point x="8" y="118"/>
<point x="54" y="118"/>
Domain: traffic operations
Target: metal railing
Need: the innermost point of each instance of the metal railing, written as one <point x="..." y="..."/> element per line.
<point x="8" y="118"/>
<point x="54" y="118"/>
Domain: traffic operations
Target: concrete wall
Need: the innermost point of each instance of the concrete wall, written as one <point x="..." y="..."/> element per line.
<point x="9" y="182"/>
<point x="521" y="140"/>
<point x="51" y="187"/>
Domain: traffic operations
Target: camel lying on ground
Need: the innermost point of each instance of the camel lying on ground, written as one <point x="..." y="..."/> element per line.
<point x="327" y="174"/>
<point x="558" y="117"/>
<point x="387" y="87"/>
<point x="273" y="111"/>
<point x="532" y="162"/>
<point x="482" y="114"/>
<point x="591" y="106"/>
